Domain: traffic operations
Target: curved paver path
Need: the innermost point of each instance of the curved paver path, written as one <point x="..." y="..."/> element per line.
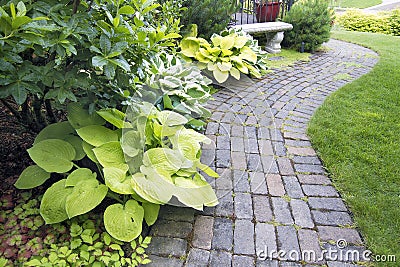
<point x="274" y="192"/>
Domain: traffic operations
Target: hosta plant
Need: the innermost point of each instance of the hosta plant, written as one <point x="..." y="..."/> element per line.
<point x="179" y="86"/>
<point x="229" y="54"/>
<point x="140" y="162"/>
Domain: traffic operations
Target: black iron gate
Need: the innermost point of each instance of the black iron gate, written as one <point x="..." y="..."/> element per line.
<point x="253" y="11"/>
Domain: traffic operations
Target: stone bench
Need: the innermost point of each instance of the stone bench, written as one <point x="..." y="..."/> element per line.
<point x="272" y="30"/>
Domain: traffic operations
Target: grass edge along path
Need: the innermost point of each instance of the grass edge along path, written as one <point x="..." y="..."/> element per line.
<point x="355" y="3"/>
<point x="357" y="135"/>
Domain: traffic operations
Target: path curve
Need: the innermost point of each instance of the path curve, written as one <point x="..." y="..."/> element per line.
<point x="274" y="192"/>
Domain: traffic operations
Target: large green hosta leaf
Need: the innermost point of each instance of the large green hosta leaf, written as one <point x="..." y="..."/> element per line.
<point x="96" y="135"/>
<point x="117" y="180"/>
<point x="89" y="151"/>
<point x="79" y="175"/>
<point x="31" y="177"/>
<point x="79" y="117"/>
<point x="113" y="116"/>
<point x="187" y="141"/>
<point x="124" y="222"/>
<point x="111" y="155"/>
<point x="150" y="212"/>
<point x="86" y="195"/>
<point x="52" y="207"/>
<point x="165" y="160"/>
<point x="59" y="130"/>
<point x="53" y="155"/>
<point x="157" y="189"/>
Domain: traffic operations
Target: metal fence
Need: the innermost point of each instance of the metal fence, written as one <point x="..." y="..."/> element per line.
<point x="254" y="11"/>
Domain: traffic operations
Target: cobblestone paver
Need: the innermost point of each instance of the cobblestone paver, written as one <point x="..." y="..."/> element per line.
<point x="277" y="204"/>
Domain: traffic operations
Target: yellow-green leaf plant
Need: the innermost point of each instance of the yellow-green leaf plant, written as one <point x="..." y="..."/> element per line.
<point x="229" y="54"/>
<point x="139" y="161"/>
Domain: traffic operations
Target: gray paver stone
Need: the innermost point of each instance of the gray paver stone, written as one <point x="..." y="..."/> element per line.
<point x="220" y="258"/>
<point x="157" y="261"/>
<point x="203" y="231"/>
<point x="244" y="237"/>
<point x="335" y="218"/>
<point x="314" y="179"/>
<point x="285" y="166"/>
<point x="197" y="258"/>
<point x="241" y="181"/>
<point x="292" y="186"/>
<point x="309" y="168"/>
<point x="309" y="244"/>
<point x="225" y="206"/>
<point x="327" y="233"/>
<point x="281" y="211"/>
<point x="287" y="239"/>
<point x="171" y="229"/>
<point x="243" y="206"/>
<point x="320" y="190"/>
<point x="258" y="183"/>
<point x="223" y="234"/>
<point x="265" y="240"/>
<point x="242" y="261"/>
<point x="262" y="208"/>
<point x="301" y="213"/>
<point x="327" y="203"/>
<point x="167" y="246"/>
<point x="176" y="213"/>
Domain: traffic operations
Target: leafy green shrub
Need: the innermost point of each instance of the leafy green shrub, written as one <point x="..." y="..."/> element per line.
<point x="95" y="51"/>
<point x="210" y="16"/>
<point x="311" y="20"/>
<point x="231" y="53"/>
<point x="154" y="146"/>
<point x="384" y="22"/>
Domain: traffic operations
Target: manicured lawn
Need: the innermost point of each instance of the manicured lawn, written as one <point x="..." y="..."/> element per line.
<point x="357" y="134"/>
<point x="355" y="3"/>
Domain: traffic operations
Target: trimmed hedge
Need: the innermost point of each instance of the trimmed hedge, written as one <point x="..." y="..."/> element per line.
<point x="384" y="22"/>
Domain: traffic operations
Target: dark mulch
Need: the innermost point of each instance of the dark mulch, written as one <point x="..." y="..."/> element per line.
<point x="15" y="140"/>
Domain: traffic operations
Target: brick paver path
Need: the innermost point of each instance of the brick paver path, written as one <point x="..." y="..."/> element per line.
<point x="274" y="192"/>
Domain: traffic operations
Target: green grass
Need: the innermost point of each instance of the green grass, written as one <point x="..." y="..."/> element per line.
<point x="286" y="58"/>
<point x="357" y="134"/>
<point x="355" y="3"/>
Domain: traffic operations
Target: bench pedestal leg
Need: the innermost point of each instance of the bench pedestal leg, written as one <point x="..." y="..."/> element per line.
<point x="274" y="40"/>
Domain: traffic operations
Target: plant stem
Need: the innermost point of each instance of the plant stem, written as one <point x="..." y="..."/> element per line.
<point x="114" y="196"/>
<point x="49" y="111"/>
<point x="11" y="109"/>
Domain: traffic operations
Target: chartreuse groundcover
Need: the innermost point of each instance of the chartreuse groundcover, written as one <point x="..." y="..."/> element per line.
<point x="115" y="143"/>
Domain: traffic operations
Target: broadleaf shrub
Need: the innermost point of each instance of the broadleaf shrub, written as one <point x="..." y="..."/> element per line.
<point x="210" y="16"/>
<point x="384" y="22"/>
<point x="96" y="52"/>
<point x="312" y="22"/>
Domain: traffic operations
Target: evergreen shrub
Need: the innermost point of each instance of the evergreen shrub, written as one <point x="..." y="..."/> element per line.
<point x="312" y="22"/>
<point x="210" y="16"/>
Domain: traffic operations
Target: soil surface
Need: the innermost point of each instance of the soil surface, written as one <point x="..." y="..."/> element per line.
<point x="15" y="140"/>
